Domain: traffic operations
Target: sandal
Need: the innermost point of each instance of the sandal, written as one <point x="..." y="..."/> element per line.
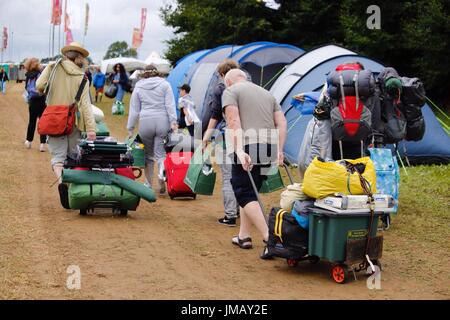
<point x="266" y="255"/>
<point x="245" y="243"/>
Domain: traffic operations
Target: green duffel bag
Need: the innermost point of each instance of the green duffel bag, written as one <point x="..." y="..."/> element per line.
<point x="200" y="176"/>
<point x="102" y="129"/>
<point x="83" y="196"/>
<point x="273" y="182"/>
<point x="137" y="151"/>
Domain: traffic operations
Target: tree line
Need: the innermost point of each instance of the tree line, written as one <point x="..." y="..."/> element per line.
<point x="413" y="36"/>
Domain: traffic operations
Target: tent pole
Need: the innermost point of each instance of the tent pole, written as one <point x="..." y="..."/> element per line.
<point x="262" y="75"/>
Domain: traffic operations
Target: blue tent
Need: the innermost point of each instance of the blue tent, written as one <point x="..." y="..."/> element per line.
<point x="177" y="76"/>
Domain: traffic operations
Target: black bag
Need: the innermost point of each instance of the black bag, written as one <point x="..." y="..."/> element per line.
<point x="179" y="142"/>
<point x="287" y="239"/>
<point x="365" y="83"/>
<point x="413" y="92"/>
<point x="111" y="91"/>
<point x="415" y="123"/>
<point x="395" y="122"/>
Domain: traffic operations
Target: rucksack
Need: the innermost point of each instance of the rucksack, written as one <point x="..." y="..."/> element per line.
<point x="31" y="88"/>
<point x="413" y="92"/>
<point x="350" y="87"/>
<point x="394" y="121"/>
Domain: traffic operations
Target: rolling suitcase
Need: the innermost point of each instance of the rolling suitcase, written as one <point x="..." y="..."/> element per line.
<point x="176" y="166"/>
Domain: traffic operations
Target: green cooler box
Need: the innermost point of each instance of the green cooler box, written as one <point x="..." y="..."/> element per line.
<point x="342" y="237"/>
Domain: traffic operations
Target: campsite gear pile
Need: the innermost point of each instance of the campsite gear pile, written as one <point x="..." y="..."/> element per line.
<point x="103" y="174"/>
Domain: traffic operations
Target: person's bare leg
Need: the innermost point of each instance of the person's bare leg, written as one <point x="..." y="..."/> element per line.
<point x="58" y="169"/>
<point x="244" y="226"/>
<point x="254" y="214"/>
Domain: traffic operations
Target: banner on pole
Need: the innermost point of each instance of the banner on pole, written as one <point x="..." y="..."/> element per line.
<point x="137" y="38"/>
<point x="143" y="20"/>
<point x="86" y="22"/>
<point x="69" y="37"/>
<point x="56" y="12"/>
<point x="5" y="38"/>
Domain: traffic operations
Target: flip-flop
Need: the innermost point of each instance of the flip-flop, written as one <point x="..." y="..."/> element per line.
<point x="245" y="243"/>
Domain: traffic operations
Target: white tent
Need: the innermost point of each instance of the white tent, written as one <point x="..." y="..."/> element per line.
<point x="130" y="64"/>
<point x="303" y="65"/>
<point x="161" y="64"/>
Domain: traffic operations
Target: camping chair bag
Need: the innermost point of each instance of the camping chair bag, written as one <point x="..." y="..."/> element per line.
<point x="323" y="179"/>
<point x="82" y="196"/>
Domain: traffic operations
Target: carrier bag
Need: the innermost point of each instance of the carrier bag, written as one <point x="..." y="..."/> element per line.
<point x="137" y="150"/>
<point x="201" y="176"/>
<point x="82" y="196"/>
<point x="287" y="239"/>
<point x="323" y="179"/>
<point x="102" y="129"/>
<point x="178" y="142"/>
<point x="292" y="193"/>
<point x="273" y="181"/>
<point x="111" y="91"/>
<point x="387" y="172"/>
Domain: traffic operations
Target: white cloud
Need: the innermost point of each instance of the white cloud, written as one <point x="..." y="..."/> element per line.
<point x="109" y="21"/>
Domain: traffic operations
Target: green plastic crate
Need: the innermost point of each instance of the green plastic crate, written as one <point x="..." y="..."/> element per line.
<point x="329" y="232"/>
<point x="273" y="183"/>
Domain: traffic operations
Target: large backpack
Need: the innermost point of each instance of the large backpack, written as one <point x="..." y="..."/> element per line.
<point x="31" y="88"/>
<point x="413" y="99"/>
<point x="350" y="86"/>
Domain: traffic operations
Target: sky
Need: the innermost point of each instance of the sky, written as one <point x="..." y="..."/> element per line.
<point x="109" y="20"/>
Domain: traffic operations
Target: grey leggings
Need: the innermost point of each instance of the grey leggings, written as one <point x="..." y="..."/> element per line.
<point x="152" y="132"/>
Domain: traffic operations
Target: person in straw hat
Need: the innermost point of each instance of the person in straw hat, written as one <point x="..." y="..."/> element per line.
<point x="61" y="85"/>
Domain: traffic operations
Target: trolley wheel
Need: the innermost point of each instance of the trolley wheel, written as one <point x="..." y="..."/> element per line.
<point x="171" y="197"/>
<point x="194" y="196"/>
<point x="292" y="262"/>
<point x="339" y="273"/>
<point x="83" y="212"/>
<point x="123" y="212"/>
<point x="314" y="259"/>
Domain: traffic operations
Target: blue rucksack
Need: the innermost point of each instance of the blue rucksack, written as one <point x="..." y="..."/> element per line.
<point x="31" y="88"/>
<point x="387" y="171"/>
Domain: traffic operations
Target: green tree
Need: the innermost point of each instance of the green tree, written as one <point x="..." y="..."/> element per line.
<point x="120" y="49"/>
<point x="414" y="35"/>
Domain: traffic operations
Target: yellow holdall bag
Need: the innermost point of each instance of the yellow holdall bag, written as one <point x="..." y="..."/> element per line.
<point x="323" y="179"/>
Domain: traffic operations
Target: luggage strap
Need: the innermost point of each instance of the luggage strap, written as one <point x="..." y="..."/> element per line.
<point x="278" y="224"/>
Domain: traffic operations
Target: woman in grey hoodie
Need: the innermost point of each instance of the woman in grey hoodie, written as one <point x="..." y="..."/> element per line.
<point x="153" y="104"/>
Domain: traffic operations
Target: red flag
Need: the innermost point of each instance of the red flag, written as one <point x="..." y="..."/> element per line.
<point x="143" y="20"/>
<point x="5" y="37"/>
<point x="137" y="38"/>
<point x="66" y="18"/>
<point x="56" y="12"/>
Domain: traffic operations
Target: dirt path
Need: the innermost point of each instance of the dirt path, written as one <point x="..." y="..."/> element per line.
<point x="166" y="250"/>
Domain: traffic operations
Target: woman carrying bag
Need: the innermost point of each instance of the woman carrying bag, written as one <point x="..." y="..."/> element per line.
<point x="153" y="104"/>
<point x="36" y="102"/>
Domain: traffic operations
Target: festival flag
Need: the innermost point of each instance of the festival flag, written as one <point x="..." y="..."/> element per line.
<point x="56" y="12"/>
<point x="143" y="21"/>
<point x="69" y="37"/>
<point x="66" y="18"/>
<point x="5" y="38"/>
<point x="86" y="21"/>
<point x="137" y="38"/>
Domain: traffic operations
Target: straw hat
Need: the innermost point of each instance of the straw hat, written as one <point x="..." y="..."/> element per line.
<point x="75" y="46"/>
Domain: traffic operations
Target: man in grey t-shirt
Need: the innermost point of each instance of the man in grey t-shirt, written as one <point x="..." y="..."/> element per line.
<point x="256" y="133"/>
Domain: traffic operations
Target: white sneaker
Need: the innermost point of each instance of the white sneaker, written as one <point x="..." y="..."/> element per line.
<point x="27" y="144"/>
<point x="42" y="147"/>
